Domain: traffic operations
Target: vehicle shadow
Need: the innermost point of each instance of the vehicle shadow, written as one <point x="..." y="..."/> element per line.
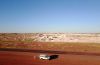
<point x="53" y="57"/>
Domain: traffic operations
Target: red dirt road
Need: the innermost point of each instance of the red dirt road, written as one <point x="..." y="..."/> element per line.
<point x="31" y="58"/>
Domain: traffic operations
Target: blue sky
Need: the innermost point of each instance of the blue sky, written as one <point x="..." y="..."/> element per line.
<point x="75" y="16"/>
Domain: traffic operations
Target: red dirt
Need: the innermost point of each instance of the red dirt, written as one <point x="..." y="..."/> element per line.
<point x="19" y="58"/>
<point x="68" y="54"/>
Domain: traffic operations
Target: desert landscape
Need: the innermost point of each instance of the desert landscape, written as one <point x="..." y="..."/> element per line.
<point x="71" y="48"/>
<point x="49" y="32"/>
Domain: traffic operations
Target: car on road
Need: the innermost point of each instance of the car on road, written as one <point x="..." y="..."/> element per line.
<point x="44" y="57"/>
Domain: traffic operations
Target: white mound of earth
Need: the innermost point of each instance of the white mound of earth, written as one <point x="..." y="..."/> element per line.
<point x="67" y="37"/>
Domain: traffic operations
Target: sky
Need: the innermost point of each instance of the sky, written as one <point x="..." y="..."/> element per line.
<point x="29" y="16"/>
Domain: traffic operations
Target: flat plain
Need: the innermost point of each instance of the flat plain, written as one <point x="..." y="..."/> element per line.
<point x="69" y="53"/>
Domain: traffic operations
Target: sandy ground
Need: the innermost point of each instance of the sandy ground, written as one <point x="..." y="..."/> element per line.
<point x="27" y="58"/>
<point x="68" y="54"/>
<point x="20" y="49"/>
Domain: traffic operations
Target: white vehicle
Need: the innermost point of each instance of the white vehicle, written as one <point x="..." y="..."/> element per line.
<point x="44" y="57"/>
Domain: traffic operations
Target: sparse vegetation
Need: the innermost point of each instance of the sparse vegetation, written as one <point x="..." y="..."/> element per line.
<point x="30" y="41"/>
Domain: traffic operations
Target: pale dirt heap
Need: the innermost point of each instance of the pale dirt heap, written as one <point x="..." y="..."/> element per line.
<point x="51" y="37"/>
<point x="68" y="37"/>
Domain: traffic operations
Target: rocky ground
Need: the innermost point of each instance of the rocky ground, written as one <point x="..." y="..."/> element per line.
<point x="27" y="40"/>
<point x="51" y="37"/>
